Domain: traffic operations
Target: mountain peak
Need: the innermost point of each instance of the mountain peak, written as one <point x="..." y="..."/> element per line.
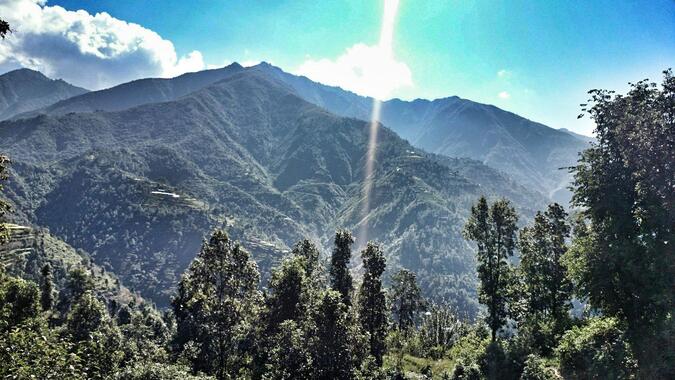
<point x="25" y="90"/>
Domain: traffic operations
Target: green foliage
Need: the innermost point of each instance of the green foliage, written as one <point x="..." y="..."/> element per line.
<point x="340" y="278"/>
<point x="596" y="350"/>
<point x="622" y="260"/>
<point x="373" y="302"/>
<point x="336" y="344"/>
<point x="19" y="302"/>
<point x="406" y="298"/>
<point x="493" y="229"/>
<point x="289" y="295"/>
<point x="289" y="358"/>
<point x="33" y="351"/>
<point x="543" y="292"/>
<point x="158" y="371"/>
<point x="536" y="369"/>
<point x="215" y="307"/>
<point x="46" y="288"/>
<point x="4" y="163"/>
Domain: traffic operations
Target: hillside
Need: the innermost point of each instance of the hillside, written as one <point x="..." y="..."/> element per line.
<point x="29" y="249"/>
<point x="529" y="152"/>
<point x="139" y="188"/>
<point x="26" y="90"/>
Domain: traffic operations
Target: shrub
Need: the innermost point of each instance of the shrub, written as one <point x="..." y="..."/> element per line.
<point x="596" y="350"/>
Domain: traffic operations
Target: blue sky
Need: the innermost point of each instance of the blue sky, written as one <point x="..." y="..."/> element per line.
<point x="535" y="58"/>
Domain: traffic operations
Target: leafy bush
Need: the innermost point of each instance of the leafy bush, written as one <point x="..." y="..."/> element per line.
<point x="596" y="350"/>
<point x="535" y="369"/>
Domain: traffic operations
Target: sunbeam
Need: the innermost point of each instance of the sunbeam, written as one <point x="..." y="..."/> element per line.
<point x="385" y="47"/>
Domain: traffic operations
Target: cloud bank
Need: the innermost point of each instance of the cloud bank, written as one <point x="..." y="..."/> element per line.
<point x="92" y="51"/>
<point x="365" y="70"/>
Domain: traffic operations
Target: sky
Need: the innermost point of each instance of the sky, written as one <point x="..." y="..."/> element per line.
<point x="535" y="58"/>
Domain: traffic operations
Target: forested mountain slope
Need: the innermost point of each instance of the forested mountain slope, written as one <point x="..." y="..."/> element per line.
<point x="28" y="250"/>
<point x="529" y="152"/>
<point x="139" y="188"/>
<point x="26" y="90"/>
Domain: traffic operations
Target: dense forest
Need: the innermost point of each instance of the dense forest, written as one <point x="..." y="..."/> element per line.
<point x="582" y="294"/>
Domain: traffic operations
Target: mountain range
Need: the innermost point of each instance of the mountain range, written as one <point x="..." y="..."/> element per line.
<point x="137" y="174"/>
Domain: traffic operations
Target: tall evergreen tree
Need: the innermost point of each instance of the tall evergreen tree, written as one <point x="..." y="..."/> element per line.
<point x="289" y="293"/>
<point x="341" y="279"/>
<point x="372" y="301"/>
<point x="493" y="229"/>
<point x="406" y="298"/>
<point x="46" y="288"/>
<point x="215" y="306"/>
<point x="335" y="343"/>
<point x="4" y="166"/>
<point x="547" y="289"/>
<point x="310" y="256"/>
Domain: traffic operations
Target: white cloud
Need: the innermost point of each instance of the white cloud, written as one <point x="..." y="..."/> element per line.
<point x="504" y="74"/>
<point x="504" y="95"/>
<point x="94" y="51"/>
<point x="365" y="70"/>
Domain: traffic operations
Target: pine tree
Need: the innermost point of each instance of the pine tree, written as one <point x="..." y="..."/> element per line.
<point x="306" y="250"/>
<point x="406" y="298"/>
<point x="47" y="288"/>
<point x="216" y="304"/>
<point x="341" y="279"/>
<point x="4" y="164"/>
<point x="493" y="229"/>
<point x="547" y="289"/>
<point x="335" y="343"/>
<point x="372" y="301"/>
<point x="289" y="293"/>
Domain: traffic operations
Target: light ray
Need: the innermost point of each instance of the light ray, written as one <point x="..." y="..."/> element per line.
<point x="385" y="46"/>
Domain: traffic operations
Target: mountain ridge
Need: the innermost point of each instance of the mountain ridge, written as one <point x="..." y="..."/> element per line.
<point x="26" y="90"/>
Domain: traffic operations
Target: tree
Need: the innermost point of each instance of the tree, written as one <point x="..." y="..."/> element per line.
<point x="79" y="282"/>
<point x="494" y="231"/>
<point x="46" y="288"/>
<point x="341" y="279"/>
<point x="289" y="358"/>
<point x="335" y="344"/>
<point x="215" y="306"/>
<point x="97" y="340"/>
<point x="623" y="258"/>
<point x="306" y="250"/>
<point x="406" y="298"/>
<point x="372" y="301"/>
<point x="4" y="165"/>
<point x="289" y="293"/>
<point x="546" y="289"/>
<point x="19" y="302"/>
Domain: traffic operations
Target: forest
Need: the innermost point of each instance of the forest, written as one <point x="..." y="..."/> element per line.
<point x="584" y="293"/>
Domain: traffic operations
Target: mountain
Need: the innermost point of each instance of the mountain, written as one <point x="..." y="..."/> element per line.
<point x="26" y="90"/>
<point x="142" y="91"/>
<point x="139" y="188"/>
<point x="529" y="152"/>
